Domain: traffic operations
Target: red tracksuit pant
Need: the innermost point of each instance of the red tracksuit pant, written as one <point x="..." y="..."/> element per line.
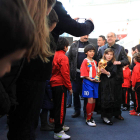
<point x="59" y="98"/>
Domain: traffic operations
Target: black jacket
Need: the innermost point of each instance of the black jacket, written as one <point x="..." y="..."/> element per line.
<point x="120" y="55"/>
<point x="72" y="55"/>
<point x="69" y="25"/>
<point x="8" y="88"/>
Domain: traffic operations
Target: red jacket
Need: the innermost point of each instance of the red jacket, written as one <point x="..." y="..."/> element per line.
<point x="127" y="78"/>
<point x="60" y="70"/>
<point x="88" y="68"/>
<point x="136" y="74"/>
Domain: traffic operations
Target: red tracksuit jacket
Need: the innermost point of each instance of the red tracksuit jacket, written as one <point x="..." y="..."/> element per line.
<point x="60" y="70"/>
<point x="136" y="74"/>
<point x="127" y="78"/>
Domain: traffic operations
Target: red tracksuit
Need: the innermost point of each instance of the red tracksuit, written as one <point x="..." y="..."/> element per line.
<point x="136" y="84"/>
<point x="126" y="87"/>
<point x="60" y="82"/>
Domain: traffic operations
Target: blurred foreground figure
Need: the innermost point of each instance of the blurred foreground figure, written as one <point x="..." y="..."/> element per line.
<point x="17" y="33"/>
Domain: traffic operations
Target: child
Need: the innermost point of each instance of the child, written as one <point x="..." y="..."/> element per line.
<point x="136" y="83"/>
<point x="107" y="87"/>
<point x="90" y="87"/>
<point x="126" y="87"/>
<point x="60" y="82"/>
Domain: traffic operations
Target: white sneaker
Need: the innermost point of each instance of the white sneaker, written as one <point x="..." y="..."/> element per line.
<point x="66" y="128"/>
<point x="61" y="136"/>
<point x="90" y="123"/>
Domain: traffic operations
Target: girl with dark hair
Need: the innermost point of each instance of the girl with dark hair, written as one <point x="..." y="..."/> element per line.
<point x="60" y="82"/>
<point x="107" y="87"/>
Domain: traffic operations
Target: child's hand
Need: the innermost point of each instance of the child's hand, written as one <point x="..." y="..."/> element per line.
<point x="103" y="71"/>
<point x="94" y="80"/>
<point x="133" y="89"/>
<point x="117" y="63"/>
<point x="71" y="91"/>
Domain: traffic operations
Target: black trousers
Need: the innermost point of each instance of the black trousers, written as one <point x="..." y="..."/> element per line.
<point x="126" y="97"/>
<point x="137" y="96"/>
<point x="59" y="98"/>
<point x="22" y="122"/>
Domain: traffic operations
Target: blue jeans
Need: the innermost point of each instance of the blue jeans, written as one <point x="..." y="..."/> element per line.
<point x="77" y="91"/>
<point x="69" y="98"/>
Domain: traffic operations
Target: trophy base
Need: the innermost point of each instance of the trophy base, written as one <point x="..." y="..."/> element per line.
<point x="97" y="78"/>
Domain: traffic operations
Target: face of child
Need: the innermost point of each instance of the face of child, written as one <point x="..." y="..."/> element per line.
<point x="90" y="53"/>
<point x="6" y="62"/>
<point x="135" y="60"/>
<point x="66" y="48"/>
<point x="109" y="56"/>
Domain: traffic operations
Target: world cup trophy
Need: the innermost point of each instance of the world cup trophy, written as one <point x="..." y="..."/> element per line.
<point x="101" y="65"/>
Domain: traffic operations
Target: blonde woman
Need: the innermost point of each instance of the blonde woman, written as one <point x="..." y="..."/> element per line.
<point x="31" y="82"/>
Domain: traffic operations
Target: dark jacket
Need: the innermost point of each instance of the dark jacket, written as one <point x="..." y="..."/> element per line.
<point x="69" y="25"/>
<point x="8" y="88"/>
<point x="120" y="55"/>
<point x="72" y="55"/>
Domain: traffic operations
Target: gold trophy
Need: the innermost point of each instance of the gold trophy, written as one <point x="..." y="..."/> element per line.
<point x="101" y="65"/>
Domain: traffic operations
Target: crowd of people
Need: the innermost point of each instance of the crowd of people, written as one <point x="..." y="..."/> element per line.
<point x="38" y="73"/>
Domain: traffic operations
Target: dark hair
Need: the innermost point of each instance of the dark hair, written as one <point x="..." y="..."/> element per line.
<point x="133" y="48"/>
<point x="62" y="42"/>
<point x="89" y="47"/>
<point x="138" y="47"/>
<point x="103" y="37"/>
<point x="107" y="51"/>
<point x="16" y="26"/>
<point x="51" y="3"/>
<point x="53" y="18"/>
<point x="126" y="50"/>
<point x="137" y="56"/>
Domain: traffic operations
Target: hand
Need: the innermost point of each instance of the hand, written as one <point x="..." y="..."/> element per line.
<point x="133" y="89"/>
<point x="94" y="80"/>
<point x="103" y="71"/>
<point x="76" y="18"/>
<point x="90" y="19"/>
<point x="71" y="91"/>
<point x="117" y="63"/>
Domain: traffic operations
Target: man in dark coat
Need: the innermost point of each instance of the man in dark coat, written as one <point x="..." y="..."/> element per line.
<point x="69" y="25"/>
<point x="121" y="60"/>
<point x="76" y="56"/>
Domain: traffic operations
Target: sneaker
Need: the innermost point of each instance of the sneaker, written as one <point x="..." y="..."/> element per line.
<point x="124" y="109"/>
<point x="135" y="114"/>
<point x="131" y="103"/>
<point x="90" y="123"/>
<point x="51" y="120"/>
<point x="65" y="128"/>
<point x="132" y="111"/>
<point x="61" y="136"/>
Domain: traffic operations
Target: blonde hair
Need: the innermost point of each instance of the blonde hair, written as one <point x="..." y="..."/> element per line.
<point x="41" y="45"/>
<point x="106" y="52"/>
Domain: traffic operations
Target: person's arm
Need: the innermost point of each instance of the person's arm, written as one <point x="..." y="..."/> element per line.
<point x="124" y="59"/>
<point x="134" y="77"/>
<point x="65" y="72"/>
<point x="5" y="102"/>
<point x="69" y="25"/>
